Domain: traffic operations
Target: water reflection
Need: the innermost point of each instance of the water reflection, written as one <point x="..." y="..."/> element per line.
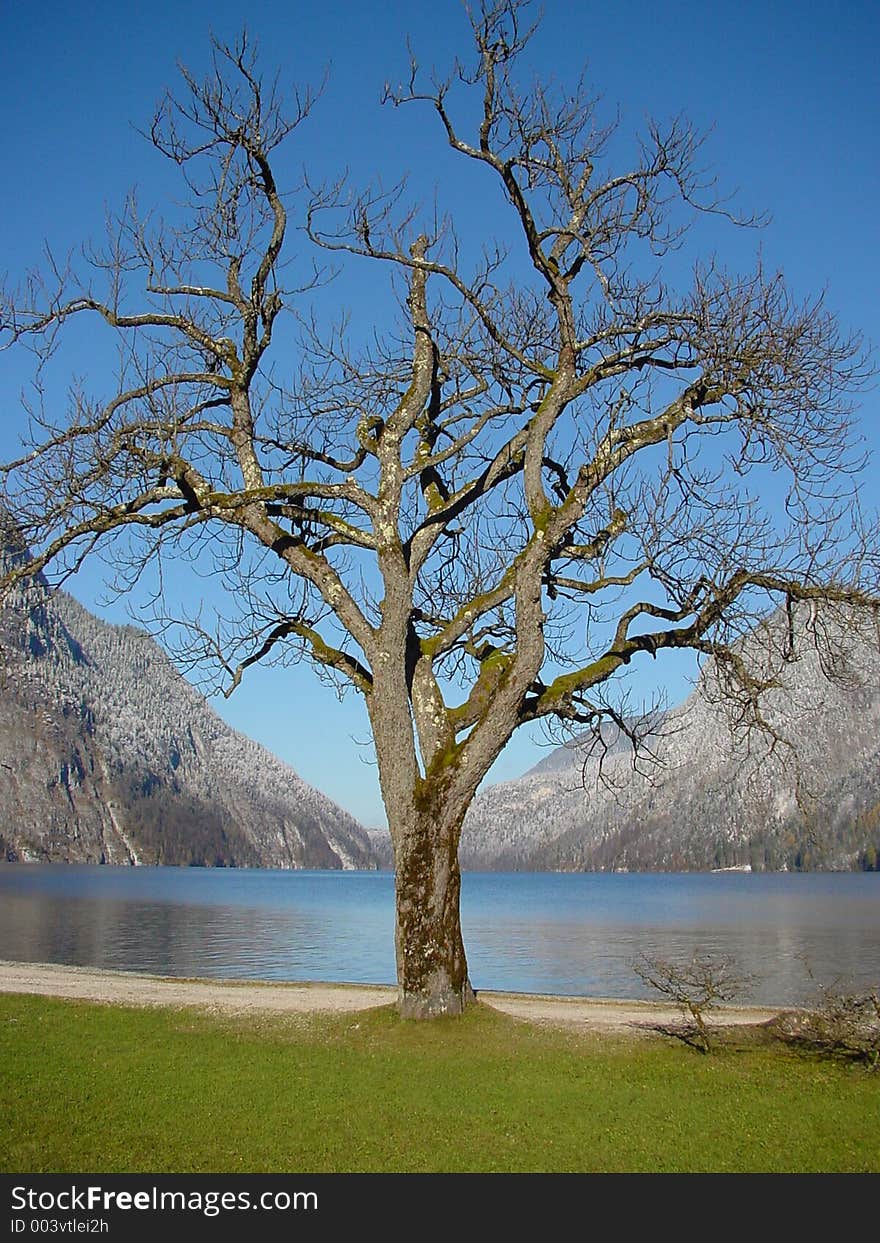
<point x="181" y="923"/>
<point x="580" y="934"/>
<point x="596" y="960"/>
<point x="572" y="934"/>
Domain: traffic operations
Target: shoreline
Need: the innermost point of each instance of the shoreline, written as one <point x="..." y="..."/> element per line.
<point x="254" y="997"/>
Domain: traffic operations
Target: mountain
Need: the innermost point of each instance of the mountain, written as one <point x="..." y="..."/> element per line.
<point x="107" y="754"/>
<point x="708" y="796"/>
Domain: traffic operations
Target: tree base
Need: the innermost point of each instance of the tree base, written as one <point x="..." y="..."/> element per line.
<point x="432" y="1004"/>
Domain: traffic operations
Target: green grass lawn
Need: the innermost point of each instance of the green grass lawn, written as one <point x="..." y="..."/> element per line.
<point x="98" y="1088"/>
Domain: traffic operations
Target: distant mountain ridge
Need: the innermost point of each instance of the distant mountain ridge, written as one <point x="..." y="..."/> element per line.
<point x="711" y="800"/>
<point x="107" y="754"/>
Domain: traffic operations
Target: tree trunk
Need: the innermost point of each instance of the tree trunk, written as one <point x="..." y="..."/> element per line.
<point x="432" y="970"/>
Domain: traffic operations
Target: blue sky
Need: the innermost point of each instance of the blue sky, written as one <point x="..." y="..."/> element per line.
<point x="791" y="90"/>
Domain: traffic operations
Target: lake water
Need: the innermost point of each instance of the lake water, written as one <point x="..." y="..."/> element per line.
<point x="574" y="934"/>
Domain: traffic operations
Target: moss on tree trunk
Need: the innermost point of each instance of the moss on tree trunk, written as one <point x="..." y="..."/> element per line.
<point x="432" y="968"/>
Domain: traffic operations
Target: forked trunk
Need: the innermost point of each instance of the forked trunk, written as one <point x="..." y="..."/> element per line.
<point x="432" y="972"/>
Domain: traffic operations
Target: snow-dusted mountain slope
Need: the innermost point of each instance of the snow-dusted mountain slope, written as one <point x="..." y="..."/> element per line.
<point x="711" y="799"/>
<point x="108" y="754"/>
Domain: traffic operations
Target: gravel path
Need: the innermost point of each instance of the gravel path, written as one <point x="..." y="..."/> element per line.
<point x="125" y="988"/>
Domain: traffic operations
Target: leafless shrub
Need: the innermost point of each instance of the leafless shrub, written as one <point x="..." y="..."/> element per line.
<point x="841" y="1024"/>
<point x="696" y="986"/>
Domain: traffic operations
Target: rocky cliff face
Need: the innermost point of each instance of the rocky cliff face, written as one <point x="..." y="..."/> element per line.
<point x="710" y="798"/>
<point x="108" y="755"/>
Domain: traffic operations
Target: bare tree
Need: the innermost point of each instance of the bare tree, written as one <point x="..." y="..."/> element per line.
<point x="552" y="465"/>
<point x="696" y="986"/>
<point x="843" y="1023"/>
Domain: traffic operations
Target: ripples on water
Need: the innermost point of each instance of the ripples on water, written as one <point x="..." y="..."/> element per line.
<point x="574" y="934"/>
